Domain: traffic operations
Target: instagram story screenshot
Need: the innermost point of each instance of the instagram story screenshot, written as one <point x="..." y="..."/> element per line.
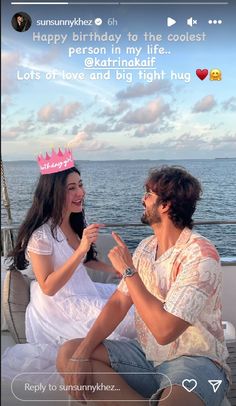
<point x="118" y="220"/>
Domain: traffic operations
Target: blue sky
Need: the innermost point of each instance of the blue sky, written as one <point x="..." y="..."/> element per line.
<point x="119" y="119"/>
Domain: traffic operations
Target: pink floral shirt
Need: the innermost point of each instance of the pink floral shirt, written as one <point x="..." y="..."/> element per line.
<point x="187" y="278"/>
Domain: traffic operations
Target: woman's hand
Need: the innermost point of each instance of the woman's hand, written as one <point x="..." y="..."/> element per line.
<point x="90" y="235"/>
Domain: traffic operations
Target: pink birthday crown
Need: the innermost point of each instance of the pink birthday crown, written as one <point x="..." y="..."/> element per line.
<point x="57" y="162"/>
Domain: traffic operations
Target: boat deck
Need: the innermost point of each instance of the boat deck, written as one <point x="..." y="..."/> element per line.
<point x="232" y="363"/>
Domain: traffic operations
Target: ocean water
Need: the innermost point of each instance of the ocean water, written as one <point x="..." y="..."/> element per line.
<point x="114" y="190"/>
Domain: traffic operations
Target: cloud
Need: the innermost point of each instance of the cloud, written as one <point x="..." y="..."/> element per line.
<point x="53" y="114"/>
<point x="96" y="128"/>
<point x="118" y="127"/>
<point x="156" y="128"/>
<point x="10" y="61"/>
<point x="23" y="128"/>
<point x="207" y="103"/>
<point x="227" y="139"/>
<point x="154" y="110"/>
<point x="86" y="133"/>
<point x="75" y="129"/>
<point x="214" y="126"/>
<point x="230" y="104"/>
<point x="79" y="139"/>
<point x="190" y="146"/>
<point x="141" y="131"/>
<point x="188" y="141"/>
<point x="86" y="142"/>
<point x="140" y="89"/>
<point x="111" y="111"/>
<point x="52" y="130"/>
<point x="185" y="143"/>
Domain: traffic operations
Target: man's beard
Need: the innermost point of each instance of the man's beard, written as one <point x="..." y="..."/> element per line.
<point x="152" y="217"/>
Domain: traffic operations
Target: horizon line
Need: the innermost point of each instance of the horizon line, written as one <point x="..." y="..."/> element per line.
<point x="127" y="159"/>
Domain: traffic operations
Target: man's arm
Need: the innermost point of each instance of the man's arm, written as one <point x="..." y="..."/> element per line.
<point x="110" y="317"/>
<point x="164" y="326"/>
<point x="78" y="368"/>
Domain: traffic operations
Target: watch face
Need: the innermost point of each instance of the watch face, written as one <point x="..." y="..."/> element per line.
<point x="129" y="272"/>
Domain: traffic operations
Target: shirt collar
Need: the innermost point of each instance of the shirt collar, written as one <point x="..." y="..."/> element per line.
<point x="184" y="237"/>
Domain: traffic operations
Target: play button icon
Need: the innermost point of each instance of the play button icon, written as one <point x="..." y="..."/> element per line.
<point x="170" y="21"/>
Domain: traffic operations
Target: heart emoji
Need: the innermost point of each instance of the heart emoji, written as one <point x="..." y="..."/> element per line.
<point x="189" y="384"/>
<point x="202" y="73"/>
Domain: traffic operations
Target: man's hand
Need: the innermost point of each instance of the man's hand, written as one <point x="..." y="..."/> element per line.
<point x="78" y="374"/>
<point x="120" y="256"/>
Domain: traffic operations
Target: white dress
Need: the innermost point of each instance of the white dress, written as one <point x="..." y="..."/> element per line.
<point x="51" y="320"/>
<point x="71" y="312"/>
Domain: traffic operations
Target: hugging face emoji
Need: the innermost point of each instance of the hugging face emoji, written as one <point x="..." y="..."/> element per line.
<point x="215" y="74"/>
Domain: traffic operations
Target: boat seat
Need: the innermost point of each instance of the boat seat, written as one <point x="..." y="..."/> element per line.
<point x="16" y="296"/>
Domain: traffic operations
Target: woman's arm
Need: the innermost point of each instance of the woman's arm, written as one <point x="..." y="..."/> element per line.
<point x="51" y="282"/>
<point x="98" y="265"/>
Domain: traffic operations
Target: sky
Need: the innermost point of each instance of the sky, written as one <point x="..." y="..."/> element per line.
<point x="159" y="110"/>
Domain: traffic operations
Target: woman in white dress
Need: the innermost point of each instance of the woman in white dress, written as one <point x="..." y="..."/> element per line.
<point x="64" y="302"/>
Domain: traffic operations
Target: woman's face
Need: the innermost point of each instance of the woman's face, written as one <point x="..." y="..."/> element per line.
<point x="19" y="20"/>
<point x="74" y="193"/>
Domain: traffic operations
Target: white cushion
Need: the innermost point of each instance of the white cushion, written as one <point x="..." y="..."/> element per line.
<point x="4" y="267"/>
<point x="4" y="326"/>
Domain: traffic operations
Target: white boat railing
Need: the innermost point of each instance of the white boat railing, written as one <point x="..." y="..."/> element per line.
<point x="8" y="231"/>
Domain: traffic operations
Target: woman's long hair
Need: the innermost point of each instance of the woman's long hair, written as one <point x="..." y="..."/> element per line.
<point x="48" y="202"/>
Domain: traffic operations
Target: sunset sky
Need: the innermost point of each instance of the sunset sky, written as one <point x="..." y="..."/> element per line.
<point x="127" y="118"/>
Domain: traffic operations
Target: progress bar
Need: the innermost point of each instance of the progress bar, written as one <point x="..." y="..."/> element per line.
<point x="62" y="3"/>
<point x="36" y="3"/>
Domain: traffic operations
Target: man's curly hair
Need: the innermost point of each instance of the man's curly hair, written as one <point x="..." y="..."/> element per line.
<point x="174" y="185"/>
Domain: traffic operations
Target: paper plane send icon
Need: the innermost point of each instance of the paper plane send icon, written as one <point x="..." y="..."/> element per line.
<point x="215" y="383"/>
<point x="170" y="22"/>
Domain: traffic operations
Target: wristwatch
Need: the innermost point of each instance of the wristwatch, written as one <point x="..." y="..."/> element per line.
<point x="129" y="272"/>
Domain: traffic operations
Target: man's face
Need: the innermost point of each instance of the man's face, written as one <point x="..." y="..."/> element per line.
<point x="20" y="20"/>
<point x="151" y="213"/>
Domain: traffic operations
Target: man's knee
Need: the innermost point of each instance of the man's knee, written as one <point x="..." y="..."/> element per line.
<point x="178" y="396"/>
<point x="101" y="354"/>
<point x="67" y="349"/>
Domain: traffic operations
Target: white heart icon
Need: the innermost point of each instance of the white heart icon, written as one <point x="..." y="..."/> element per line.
<point x="189" y="384"/>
